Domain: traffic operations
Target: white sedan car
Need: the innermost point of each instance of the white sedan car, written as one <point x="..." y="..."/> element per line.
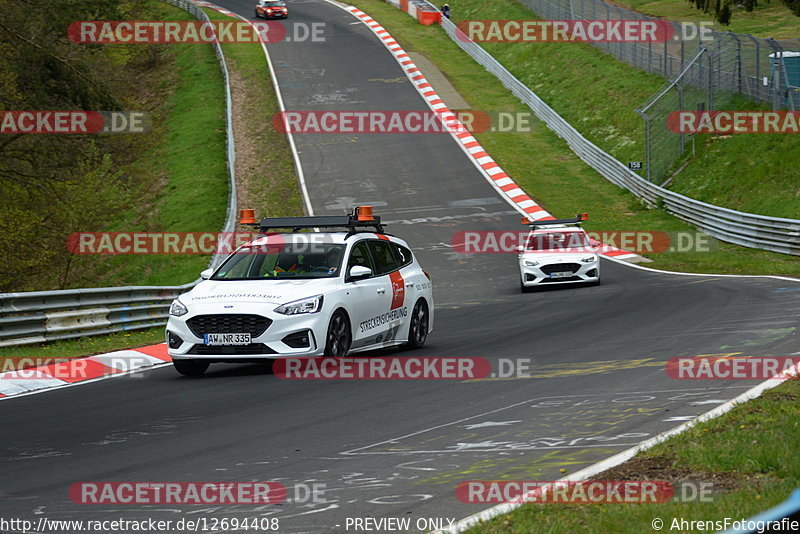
<point x="557" y="253"/>
<point x="303" y="294"/>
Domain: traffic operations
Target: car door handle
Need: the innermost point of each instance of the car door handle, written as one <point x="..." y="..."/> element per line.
<point x="382" y="290"/>
<point x="410" y="284"/>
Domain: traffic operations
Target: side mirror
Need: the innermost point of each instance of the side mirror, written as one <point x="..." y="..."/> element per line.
<point x="205" y="275"/>
<point x="520" y="249"/>
<point x="359" y="272"/>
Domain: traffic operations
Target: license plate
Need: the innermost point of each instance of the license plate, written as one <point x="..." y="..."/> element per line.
<point x="561" y="274"/>
<point x="226" y="339"/>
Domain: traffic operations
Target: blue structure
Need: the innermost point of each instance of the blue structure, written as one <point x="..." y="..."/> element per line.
<point x="788" y="512"/>
<point x="789" y="85"/>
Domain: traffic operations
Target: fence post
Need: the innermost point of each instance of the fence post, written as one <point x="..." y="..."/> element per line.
<point x="759" y="78"/>
<point x="710" y="73"/>
<point x="681" y="108"/>
<point x="738" y="61"/>
<point x="776" y="81"/>
<point x="646" y="119"/>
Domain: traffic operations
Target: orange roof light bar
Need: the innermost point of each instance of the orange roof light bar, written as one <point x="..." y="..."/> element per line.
<point x="361" y="217"/>
<point x="247" y="216"/>
<point x="364" y="213"/>
<point x="579" y="218"/>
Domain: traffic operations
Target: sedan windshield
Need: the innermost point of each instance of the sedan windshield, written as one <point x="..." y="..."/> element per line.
<point x="556" y="241"/>
<point x="258" y="263"/>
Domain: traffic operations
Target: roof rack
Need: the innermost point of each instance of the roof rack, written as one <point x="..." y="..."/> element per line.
<point x="579" y="218"/>
<point x="360" y="218"/>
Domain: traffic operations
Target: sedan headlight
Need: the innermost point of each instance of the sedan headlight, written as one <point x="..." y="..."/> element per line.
<point x="529" y="263"/>
<point x="177" y="308"/>
<point x="589" y="259"/>
<point x="309" y="305"/>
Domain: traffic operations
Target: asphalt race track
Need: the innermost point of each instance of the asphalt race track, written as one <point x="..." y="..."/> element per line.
<point x="399" y="448"/>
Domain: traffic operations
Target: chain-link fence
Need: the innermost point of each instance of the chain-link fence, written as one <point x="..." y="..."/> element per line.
<point x="754" y="71"/>
<point x="693" y="89"/>
<point x="706" y="68"/>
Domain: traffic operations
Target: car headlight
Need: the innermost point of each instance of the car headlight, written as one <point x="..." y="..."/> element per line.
<point x="589" y="259"/>
<point x="177" y="308"/>
<point x="529" y="263"/>
<point x="309" y="305"/>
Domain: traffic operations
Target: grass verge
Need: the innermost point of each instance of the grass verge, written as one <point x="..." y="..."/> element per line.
<point x="186" y="164"/>
<point x="543" y="164"/>
<point x="745" y="459"/>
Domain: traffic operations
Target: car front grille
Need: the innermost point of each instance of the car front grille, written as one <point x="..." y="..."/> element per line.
<point x="560" y="267"/>
<point x="230" y="350"/>
<point x="229" y="323"/>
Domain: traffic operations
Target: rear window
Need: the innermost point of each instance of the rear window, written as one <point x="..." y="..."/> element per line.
<point x="403" y="254"/>
<point x="384" y="256"/>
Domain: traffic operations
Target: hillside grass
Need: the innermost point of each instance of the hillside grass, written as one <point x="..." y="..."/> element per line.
<point x="768" y="19"/>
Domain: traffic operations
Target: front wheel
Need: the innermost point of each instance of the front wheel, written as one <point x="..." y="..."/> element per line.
<point x="190" y="367"/>
<point x="418" y="329"/>
<point x="339" y="337"/>
<point x="257" y="15"/>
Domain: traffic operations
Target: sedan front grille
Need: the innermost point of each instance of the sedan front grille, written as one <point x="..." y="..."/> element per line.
<point x="230" y="350"/>
<point x="229" y="323"/>
<point x="560" y="267"/>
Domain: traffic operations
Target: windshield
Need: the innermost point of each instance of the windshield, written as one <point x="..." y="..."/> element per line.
<point x="557" y="241"/>
<point x="289" y="261"/>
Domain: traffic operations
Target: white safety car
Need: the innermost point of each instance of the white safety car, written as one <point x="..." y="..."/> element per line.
<point x="304" y="294"/>
<point x="557" y="251"/>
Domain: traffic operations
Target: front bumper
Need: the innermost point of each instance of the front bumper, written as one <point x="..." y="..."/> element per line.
<point x="549" y="273"/>
<point x="183" y="343"/>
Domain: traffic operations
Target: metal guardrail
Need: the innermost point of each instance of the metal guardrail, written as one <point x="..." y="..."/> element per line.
<point x="747" y="229"/>
<point x="37" y="316"/>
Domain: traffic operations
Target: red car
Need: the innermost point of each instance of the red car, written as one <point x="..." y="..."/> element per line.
<point x="271" y="9"/>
